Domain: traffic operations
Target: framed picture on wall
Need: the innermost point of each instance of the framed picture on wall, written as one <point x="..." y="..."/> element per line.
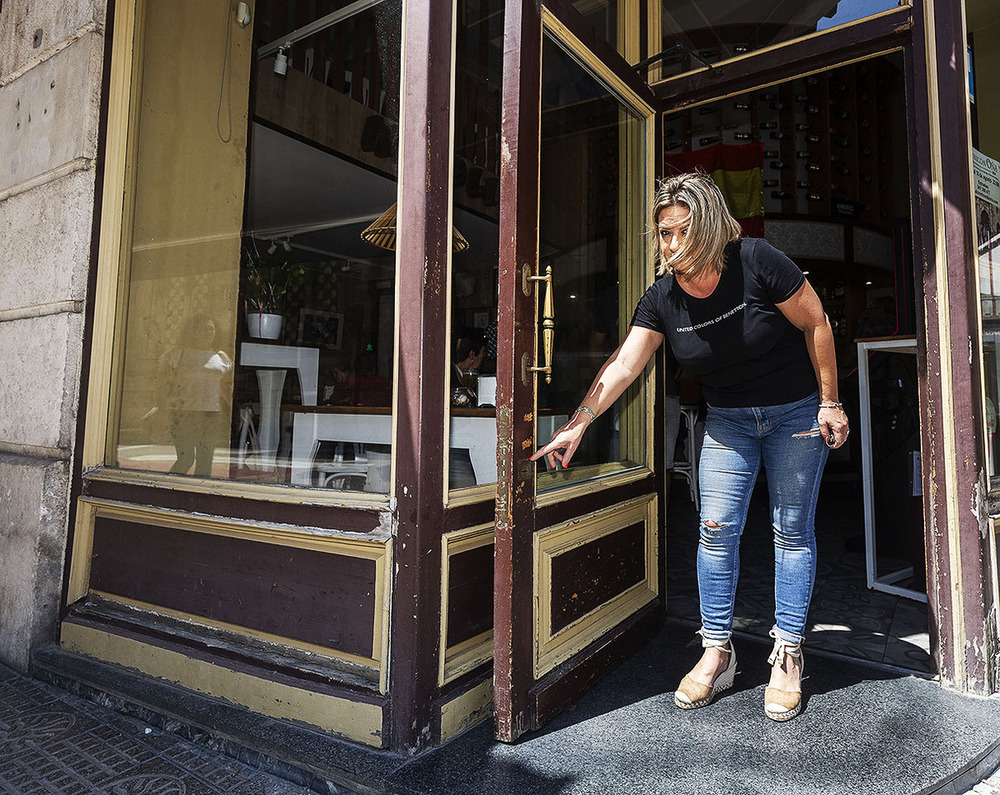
<point x="320" y="329"/>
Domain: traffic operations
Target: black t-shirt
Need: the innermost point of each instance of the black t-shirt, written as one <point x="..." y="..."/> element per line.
<point x="736" y="341"/>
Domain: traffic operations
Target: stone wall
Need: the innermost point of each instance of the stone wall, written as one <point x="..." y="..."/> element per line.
<point x="51" y="66"/>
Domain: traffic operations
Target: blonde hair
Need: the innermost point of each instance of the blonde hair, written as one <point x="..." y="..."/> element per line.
<point x="711" y="227"/>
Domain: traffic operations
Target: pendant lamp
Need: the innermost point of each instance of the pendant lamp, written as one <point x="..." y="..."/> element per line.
<point x="382" y="233"/>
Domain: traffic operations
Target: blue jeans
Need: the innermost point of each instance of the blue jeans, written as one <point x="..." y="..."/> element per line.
<point x="737" y="442"/>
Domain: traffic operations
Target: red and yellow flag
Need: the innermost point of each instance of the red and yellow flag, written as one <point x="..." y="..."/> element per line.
<point x="739" y="173"/>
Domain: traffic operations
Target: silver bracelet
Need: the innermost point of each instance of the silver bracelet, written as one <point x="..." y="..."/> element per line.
<point x="586" y="410"/>
<point x="831" y="404"/>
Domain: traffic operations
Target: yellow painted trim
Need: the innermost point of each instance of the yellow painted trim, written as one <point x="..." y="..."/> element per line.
<point x="945" y="363"/>
<point x="282" y="535"/>
<point x="378" y="550"/>
<point x="628" y="30"/>
<point x="599" y="482"/>
<point x="618" y="474"/>
<point x="446" y="429"/>
<point x="282" y="640"/>
<point x="464" y="712"/>
<point x="83" y="548"/>
<point x="271" y="492"/>
<point x="552" y="25"/>
<point x="654" y="37"/>
<point x="457" y="660"/>
<point x="354" y="720"/>
<point x="110" y="239"/>
<point x="899" y="10"/>
<point x="552" y="649"/>
<point x="470" y="495"/>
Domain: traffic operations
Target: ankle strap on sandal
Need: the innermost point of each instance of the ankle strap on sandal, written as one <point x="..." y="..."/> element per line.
<point x="783" y="648"/>
<point x="714" y="643"/>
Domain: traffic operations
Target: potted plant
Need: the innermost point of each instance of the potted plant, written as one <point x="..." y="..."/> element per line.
<point x="267" y="279"/>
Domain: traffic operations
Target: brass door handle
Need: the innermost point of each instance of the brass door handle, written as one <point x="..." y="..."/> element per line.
<point x="548" y="323"/>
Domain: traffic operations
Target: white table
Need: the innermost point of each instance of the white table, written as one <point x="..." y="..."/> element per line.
<point x="272" y="361"/>
<point x="476" y="434"/>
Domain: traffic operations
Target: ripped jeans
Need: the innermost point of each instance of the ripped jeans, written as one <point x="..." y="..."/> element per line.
<point x="737" y="442"/>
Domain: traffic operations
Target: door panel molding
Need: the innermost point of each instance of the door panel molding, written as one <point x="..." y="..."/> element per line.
<point x="556" y="645"/>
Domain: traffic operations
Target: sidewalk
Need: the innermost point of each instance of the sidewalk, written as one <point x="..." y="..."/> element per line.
<point x="54" y="742"/>
<point x="865" y="730"/>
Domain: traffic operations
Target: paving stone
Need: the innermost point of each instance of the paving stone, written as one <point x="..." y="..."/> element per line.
<point x="53" y="742"/>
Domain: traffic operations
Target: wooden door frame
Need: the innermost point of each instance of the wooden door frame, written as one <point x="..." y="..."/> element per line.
<point x="516" y="708"/>
<point x="958" y="532"/>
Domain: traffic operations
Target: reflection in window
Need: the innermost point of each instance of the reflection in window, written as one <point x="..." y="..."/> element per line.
<point x="699" y="32"/>
<point x="259" y="336"/>
<point x="602" y="16"/>
<point x="478" y="67"/>
<point x="984" y="84"/>
<point x="591" y="233"/>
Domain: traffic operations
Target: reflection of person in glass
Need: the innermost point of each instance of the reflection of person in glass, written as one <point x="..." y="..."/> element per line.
<point x="470" y="349"/>
<point x="741" y="317"/>
<point x="194" y="371"/>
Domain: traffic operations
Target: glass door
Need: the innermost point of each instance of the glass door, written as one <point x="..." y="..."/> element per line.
<point x="576" y="568"/>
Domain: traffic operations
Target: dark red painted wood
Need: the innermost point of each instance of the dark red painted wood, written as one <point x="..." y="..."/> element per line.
<point x="595" y="501"/>
<point x="928" y="348"/>
<point x="424" y="241"/>
<point x="515" y="520"/>
<point x="354" y="520"/>
<point x="314" y="597"/>
<point x="556" y="690"/>
<point x="587" y="576"/>
<point x="973" y="671"/>
<point x="470" y="594"/>
<point x="783" y="63"/>
<point x="247" y="658"/>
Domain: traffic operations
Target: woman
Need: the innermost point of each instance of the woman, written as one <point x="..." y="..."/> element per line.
<point x="740" y="316"/>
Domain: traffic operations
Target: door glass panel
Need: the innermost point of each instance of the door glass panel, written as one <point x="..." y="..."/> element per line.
<point x="256" y="342"/>
<point x="591" y="234"/>
<point x="984" y="95"/>
<point x="476" y="197"/>
<point x="700" y="32"/>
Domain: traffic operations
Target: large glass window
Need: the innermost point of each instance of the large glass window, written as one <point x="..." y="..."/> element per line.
<point x="984" y="94"/>
<point x="478" y="69"/>
<point x="592" y="236"/>
<point x="256" y="334"/>
<point x="701" y="32"/>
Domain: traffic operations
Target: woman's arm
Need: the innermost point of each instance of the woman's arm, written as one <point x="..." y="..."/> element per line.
<point x="620" y="370"/>
<point x="804" y="310"/>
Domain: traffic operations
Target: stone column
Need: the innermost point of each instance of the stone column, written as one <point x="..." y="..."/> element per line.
<point x="51" y="69"/>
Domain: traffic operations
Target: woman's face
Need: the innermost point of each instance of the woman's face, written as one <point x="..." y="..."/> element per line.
<point x="672" y="228"/>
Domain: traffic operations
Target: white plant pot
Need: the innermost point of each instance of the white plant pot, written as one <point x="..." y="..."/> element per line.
<point x="262" y="325"/>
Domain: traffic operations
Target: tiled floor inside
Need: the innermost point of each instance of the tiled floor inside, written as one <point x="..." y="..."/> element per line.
<point x="845" y="617"/>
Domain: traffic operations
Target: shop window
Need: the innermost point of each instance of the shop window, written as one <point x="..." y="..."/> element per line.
<point x="984" y="99"/>
<point x="255" y="336"/>
<point x="696" y="33"/>
<point x="474" y="276"/>
<point x="592" y="235"/>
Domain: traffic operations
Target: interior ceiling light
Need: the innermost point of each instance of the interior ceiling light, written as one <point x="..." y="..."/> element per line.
<point x="382" y="233"/>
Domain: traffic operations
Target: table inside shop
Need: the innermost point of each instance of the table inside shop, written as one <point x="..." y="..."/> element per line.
<point x="471" y="430"/>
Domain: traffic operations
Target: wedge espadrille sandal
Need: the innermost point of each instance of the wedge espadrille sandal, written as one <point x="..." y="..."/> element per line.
<point x="692" y="695"/>
<point x="782" y="705"/>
